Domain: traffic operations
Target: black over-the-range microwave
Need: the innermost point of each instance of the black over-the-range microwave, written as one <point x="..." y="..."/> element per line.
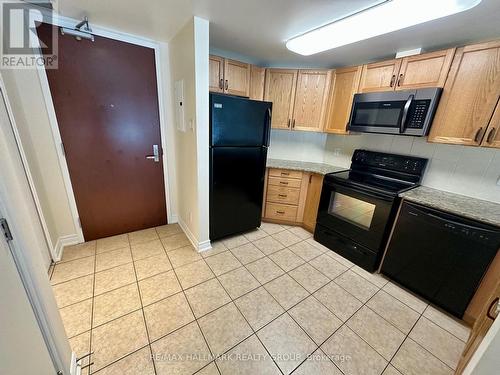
<point x="408" y="112"/>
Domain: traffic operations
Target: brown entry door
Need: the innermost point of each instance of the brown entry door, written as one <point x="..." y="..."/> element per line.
<point x="106" y="103"/>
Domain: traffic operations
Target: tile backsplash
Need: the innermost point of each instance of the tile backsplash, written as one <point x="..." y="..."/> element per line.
<point x="471" y="171"/>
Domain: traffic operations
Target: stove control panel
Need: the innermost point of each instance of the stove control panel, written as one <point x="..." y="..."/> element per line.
<point x="393" y="162"/>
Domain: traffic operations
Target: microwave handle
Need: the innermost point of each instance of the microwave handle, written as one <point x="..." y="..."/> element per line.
<point x="402" y="125"/>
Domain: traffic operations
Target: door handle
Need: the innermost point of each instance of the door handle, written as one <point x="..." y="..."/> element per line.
<point x="405" y="114"/>
<point x="156" y="154"/>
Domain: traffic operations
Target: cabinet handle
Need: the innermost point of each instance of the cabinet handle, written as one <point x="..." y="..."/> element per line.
<point x="282" y="195"/>
<point x="293" y="123"/>
<point x="221" y="84"/>
<point x="280" y="212"/>
<point x="283" y="183"/>
<point x="392" y="80"/>
<point x="478" y="137"/>
<point x="310" y="178"/>
<point x="288" y="123"/>
<point x="400" y="80"/>
<point x="285" y="174"/>
<point x="227" y="85"/>
<point x="491" y="135"/>
<point x="495" y="307"/>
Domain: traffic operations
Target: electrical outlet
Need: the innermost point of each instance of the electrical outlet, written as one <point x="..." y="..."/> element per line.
<point x="336" y="151"/>
<point x="498" y="181"/>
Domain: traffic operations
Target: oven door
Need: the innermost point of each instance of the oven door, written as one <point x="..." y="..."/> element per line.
<point x="355" y="213"/>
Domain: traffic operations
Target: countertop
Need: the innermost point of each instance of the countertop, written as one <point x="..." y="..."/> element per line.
<point x="303" y="166"/>
<point x="472" y="208"/>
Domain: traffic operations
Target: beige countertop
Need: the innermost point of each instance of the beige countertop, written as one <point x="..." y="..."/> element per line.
<point x="472" y="208"/>
<point x="304" y="166"/>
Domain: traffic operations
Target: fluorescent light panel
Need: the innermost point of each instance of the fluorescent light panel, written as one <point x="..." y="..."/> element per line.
<point x="381" y="19"/>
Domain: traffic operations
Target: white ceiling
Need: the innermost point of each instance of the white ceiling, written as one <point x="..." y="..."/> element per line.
<point x="256" y="30"/>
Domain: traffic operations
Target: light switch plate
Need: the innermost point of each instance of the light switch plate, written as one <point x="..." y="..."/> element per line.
<point x="179" y="105"/>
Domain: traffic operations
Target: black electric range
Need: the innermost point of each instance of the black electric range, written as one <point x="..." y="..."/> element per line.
<point x="357" y="207"/>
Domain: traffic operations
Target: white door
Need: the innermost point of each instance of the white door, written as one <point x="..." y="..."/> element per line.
<point x="22" y="347"/>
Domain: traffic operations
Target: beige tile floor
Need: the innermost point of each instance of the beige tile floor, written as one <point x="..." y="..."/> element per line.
<point x="270" y="301"/>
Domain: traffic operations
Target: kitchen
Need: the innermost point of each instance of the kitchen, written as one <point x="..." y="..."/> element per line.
<point x="315" y="201"/>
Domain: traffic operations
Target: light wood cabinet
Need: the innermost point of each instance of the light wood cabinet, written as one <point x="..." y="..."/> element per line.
<point x="236" y="77"/>
<point x="280" y="90"/>
<point x="427" y="70"/>
<point x="345" y="83"/>
<point x="312" y="201"/>
<point x="257" y="82"/>
<point x="216" y="73"/>
<point x="229" y="76"/>
<point x="481" y="327"/>
<point x="292" y="197"/>
<point x="379" y="76"/>
<point x="299" y="98"/>
<point x="412" y="72"/>
<point x="311" y="100"/>
<point x="466" y="113"/>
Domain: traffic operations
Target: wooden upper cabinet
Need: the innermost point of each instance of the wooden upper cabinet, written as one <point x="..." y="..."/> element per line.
<point x="236" y="77"/>
<point x="492" y="136"/>
<point x="380" y="76"/>
<point x="427" y="70"/>
<point x="345" y="83"/>
<point x="311" y="100"/>
<point x="257" y="82"/>
<point x="470" y="95"/>
<point x="216" y="73"/>
<point x="280" y="90"/>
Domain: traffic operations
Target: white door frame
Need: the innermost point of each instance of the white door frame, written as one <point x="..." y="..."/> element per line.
<point x="59" y="20"/>
<point x="17" y="207"/>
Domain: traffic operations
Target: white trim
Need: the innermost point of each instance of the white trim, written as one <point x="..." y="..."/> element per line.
<point x="27" y="170"/>
<point x="199" y="246"/>
<point x="59" y="20"/>
<point x="62" y="242"/>
<point x="481" y="350"/>
<point x="75" y="369"/>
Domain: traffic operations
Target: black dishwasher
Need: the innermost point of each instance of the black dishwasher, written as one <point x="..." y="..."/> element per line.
<point x="440" y="256"/>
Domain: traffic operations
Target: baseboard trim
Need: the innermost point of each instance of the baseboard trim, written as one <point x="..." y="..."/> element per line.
<point x="199" y="246"/>
<point x="173" y="219"/>
<point x="64" y="241"/>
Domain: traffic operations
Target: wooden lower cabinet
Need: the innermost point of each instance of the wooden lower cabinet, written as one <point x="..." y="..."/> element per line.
<point x="312" y="201"/>
<point x="292" y="197"/>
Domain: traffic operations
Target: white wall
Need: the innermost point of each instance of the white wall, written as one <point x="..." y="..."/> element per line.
<point x="188" y="52"/>
<point x="26" y="98"/>
<point x="471" y="171"/>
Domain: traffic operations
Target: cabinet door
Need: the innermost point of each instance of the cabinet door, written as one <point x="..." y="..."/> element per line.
<point x="280" y="90"/>
<point x="311" y="100"/>
<point x="216" y="73"/>
<point x="236" y="77"/>
<point x="345" y="85"/>
<point x="257" y="82"/>
<point x="469" y="97"/>
<point x="492" y="136"/>
<point x="427" y="70"/>
<point x="380" y="76"/>
<point x="312" y="201"/>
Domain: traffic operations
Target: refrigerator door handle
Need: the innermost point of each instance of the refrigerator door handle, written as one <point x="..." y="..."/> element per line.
<point x="268" y="126"/>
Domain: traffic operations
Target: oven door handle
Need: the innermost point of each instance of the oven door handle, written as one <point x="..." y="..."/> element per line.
<point x="360" y="190"/>
<point x="404" y="118"/>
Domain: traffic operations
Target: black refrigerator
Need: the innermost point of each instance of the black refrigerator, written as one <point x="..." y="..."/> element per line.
<point x="239" y="137"/>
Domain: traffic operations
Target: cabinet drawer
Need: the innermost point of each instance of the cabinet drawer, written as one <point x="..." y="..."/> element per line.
<point x="284" y="173"/>
<point x="283" y="195"/>
<point x="281" y="211"/>
<point x="284" y="182"/>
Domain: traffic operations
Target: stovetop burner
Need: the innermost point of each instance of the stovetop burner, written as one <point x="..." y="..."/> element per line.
<point x="389" y="174"/>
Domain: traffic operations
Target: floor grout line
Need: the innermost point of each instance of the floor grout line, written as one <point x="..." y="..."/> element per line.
<point x="233" y="300"/>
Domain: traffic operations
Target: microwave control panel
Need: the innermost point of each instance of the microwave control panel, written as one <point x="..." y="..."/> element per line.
<point x="418" y="113"/>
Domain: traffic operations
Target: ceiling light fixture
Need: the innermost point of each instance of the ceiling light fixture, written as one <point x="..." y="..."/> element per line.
<point x="377" y="20"/>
